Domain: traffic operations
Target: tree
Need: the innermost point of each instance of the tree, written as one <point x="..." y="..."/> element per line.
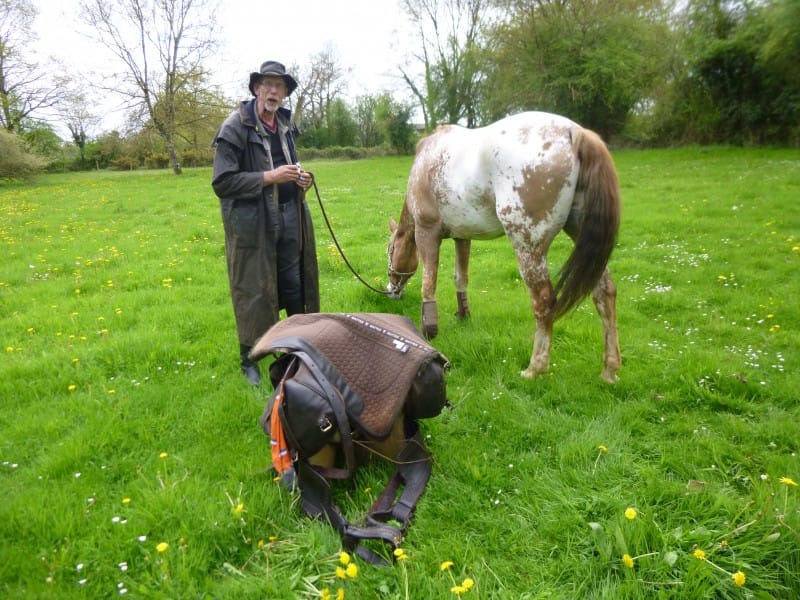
<point x="592" y="61"/>
<point x="735" y="79"/>
<point x="162" y="45"/>
<point x="319" y="87"/>
<point x="450" y="34"/>
<point x="24" y="89"/>
<point x="393" y="118"/>
<point x="74" y="110"/>
<point x="367" y="127"/>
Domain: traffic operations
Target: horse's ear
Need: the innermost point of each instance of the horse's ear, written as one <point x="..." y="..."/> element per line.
<point x="392" y="224"/>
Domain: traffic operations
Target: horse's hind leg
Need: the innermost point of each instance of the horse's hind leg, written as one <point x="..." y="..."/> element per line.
<point x="534" y="273"/>
<point x="605" y="297"/>
<point x="461" y="277"/>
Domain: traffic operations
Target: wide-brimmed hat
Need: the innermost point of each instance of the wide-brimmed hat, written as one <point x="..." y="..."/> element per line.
<point x="272" y="68"/>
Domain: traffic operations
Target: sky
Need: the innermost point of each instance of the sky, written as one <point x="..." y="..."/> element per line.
<point x="365" y="35"/>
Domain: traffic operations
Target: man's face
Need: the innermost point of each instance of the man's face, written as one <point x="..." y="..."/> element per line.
<point x="271" y="92"/>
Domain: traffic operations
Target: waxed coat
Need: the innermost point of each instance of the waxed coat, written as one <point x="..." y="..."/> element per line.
<point x="251" y="219"/>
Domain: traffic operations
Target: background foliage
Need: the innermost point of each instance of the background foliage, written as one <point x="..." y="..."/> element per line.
<point x="640" y="72"/>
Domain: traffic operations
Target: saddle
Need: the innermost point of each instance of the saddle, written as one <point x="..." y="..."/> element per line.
<point x="348" y="387"/>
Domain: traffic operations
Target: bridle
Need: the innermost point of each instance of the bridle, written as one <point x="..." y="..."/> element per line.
<point x="402" y="277"/>
<point x="394" y="289"/>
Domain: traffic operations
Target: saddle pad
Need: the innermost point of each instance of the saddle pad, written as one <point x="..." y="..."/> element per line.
<point x="376" y="357"/>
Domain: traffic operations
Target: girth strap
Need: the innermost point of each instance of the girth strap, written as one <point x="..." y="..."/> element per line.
<point x="413" y="471"/>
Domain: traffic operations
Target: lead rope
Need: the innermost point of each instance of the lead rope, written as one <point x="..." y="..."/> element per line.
<point x="341" y="252"/>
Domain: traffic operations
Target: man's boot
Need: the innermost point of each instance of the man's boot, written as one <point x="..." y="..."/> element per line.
<point x="249" y="366"/>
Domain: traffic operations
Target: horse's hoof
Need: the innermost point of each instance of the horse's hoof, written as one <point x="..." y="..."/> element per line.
<point x="462" y="314"/>
<point x="430" y="331"/>
<point x="609" y="377"/>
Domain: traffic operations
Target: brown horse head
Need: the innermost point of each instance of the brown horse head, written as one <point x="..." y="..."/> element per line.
<point x="402" y="256"/>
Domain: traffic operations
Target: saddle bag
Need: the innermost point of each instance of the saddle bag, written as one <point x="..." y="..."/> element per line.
<point x="348" y="387"/>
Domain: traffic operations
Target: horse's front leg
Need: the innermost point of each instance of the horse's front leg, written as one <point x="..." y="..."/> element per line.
<point x="604" y="296"/>
<point x="461" y="277"/>
<point x="534" y="273"/>
<point x="428" y="248"/>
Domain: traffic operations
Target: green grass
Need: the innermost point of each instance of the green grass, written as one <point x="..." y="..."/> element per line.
<point x="125" y="422"/>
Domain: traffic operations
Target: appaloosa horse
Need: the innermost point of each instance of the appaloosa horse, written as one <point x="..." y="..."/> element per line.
<point x="527" y="176"/>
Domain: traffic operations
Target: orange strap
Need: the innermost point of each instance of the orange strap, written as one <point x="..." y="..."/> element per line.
<point x="281" y="459"/>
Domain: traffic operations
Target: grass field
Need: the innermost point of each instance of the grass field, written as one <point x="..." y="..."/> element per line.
<point x="132" y="462"/>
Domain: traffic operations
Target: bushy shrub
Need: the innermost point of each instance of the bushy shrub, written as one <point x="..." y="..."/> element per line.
<point x="156" y="160"/>
<point x="193" y="157"/>
<point x="15" y="158"/>
<point x="125" y="163"/>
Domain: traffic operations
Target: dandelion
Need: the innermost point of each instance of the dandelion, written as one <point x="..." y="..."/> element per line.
<point x="325" y="594"/>
<point x="126" y="500"/>
<point x="344" y="558"/>
<point x="72" y="387"/>
<point x="446" y="565"/>
<point x="630" y="513"/>
<point x="400" y="554"/>
<point x="351" y="570"/>
<point x="238" y="509"/>
<point x="260" y="544"/>
<point x="739" y="578"/>
<point x="627" y="560"/>
<point x="699" y="554"/>
<point x="162" y="547"/>
<point x="602" y="448"/>
<point x="340" y="573"/>
<point x="163" y="455"/>
<point x="465" y="586"/>
<point x="788" y="481"/>
<point x="340" y="594"/>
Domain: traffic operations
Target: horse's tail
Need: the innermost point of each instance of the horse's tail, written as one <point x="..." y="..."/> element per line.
<point x="599" y="223"/>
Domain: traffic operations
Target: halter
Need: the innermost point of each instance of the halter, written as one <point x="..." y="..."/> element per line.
<point x="402" y="277"/>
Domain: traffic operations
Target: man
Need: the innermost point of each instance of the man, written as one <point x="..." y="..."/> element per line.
<point x="269" y="237"/>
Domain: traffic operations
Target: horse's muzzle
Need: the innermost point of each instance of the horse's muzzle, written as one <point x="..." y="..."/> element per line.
<point x="394" y="291"/>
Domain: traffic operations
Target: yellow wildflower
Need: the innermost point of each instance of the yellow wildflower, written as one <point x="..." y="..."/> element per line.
<point x="602" y="448"/>
<point x="400" y="554"/>
<point x="163" y="455"/>
<point x="325" y="594"/>
<point x="739" y="578"/>
<point x="458" y="590"/>
<point x="699" y="554"/>
<point x="238" y="509"/>
<point x="468" y="583"/>
<point x="446" y="565"/>
<point x="340" y="594"/>
<point x="627" y="560"/>
<point x="72" y="387"/>
<point x="260" y="544"/>
<point x="340" y="573"/>
<point x="126" y="500"/>
<point x="630" y="513"/>
<point x="787" y="481"/>
<point x="344" y="558"/>
<point x="351" y="570"/>
<point x="162" y="547"/>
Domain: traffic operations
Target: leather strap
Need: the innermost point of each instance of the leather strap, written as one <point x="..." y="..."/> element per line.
<point x="413" y="472"/>
<point x="342" y="422"/>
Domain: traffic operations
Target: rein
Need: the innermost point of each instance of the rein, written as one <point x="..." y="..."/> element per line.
<point x="341" y="252"/>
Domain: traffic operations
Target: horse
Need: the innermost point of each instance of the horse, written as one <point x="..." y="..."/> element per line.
<point x="528" y="176"/>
